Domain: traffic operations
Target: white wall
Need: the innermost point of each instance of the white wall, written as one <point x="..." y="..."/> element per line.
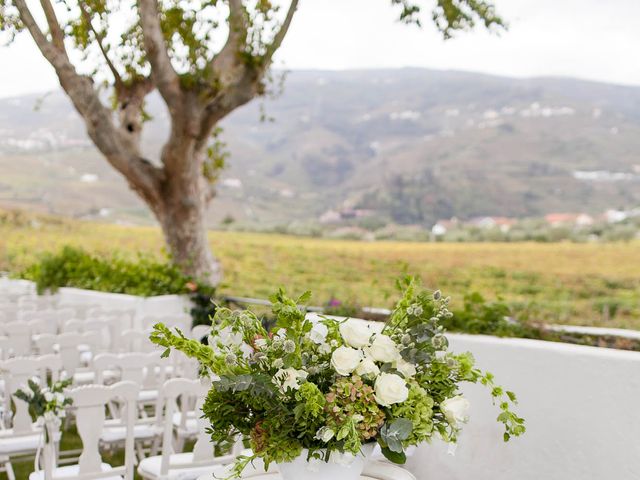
<point x="582" y="411"/>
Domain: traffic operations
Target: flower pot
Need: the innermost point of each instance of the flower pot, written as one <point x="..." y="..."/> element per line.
<point x="341" y="466"/>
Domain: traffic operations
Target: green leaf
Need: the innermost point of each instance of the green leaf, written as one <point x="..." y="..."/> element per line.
<point x="399" y="458"/>
<point x="166" y="353"/>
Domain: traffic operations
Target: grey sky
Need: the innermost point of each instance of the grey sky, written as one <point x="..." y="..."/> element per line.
<point x="591" y="39"/>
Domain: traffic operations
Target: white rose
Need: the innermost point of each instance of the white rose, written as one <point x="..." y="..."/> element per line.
<point x="355" y="333"/>
<point x="389" y="389"/>
<point x="318" y="333"/>
<point x="455" y="410"/>
<point x="289" y="378"/>
<point x="383" y="349"/>
<point x="367" y="367"/>
<point x="325" y="434"/>
<point x="345" y="360"/>
<point x="407" y="369"/>
<point x="48" y="397"/>
<point x="59" y="398"/>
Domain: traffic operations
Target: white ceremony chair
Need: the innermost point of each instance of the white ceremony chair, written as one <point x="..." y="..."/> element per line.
<point x="74" y="349"/>
<point x="136" y="341"/>
<point x="89" y="404"/>
<point x="147" y="370"/>
<point x="22" y="437"/>
<point x="187" y="465"/>
<point x="19" y="334"/>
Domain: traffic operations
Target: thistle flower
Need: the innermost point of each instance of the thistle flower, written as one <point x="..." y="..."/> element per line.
<point x="289" y="346"/>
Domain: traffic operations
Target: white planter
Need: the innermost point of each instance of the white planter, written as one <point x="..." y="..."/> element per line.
<point x="339" y="467"/>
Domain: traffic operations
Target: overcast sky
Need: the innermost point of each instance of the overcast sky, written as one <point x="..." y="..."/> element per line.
<point x="590" y="39"/>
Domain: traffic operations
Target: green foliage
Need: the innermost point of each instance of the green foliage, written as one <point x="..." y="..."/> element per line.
<point x="452" y="15"/>
<point x="74" y="267"/>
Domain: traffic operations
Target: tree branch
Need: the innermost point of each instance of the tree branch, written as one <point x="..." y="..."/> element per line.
<point x="162" y="72"/>
<point x="119" y="84"/>
<point x="227" y="59"/>
<point x="57" y="35"/>
<point x="281" y="34"/>
<point x="140" y="173"/>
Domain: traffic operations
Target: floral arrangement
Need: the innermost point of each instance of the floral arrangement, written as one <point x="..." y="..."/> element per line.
<point x="48" y="404"/>
<point x="332" y="386"/>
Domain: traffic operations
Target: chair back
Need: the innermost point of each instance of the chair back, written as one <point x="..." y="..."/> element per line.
<point x="19" y="334"/>
<point x="187" y="391"/>
<point x="89" y="403"/>
<point x="16" y="373"/>
<point x="145" y="369"/>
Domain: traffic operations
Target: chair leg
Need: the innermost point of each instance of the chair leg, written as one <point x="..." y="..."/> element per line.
<point x="9" y="469"/>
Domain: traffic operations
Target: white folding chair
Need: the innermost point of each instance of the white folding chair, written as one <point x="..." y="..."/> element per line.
<point x="187" y="465"/>
<point x="146" y="370"/>
<point x="19" y="334"/>
<point x="89" y="404"/>
<point x="21" y="437"/>
<point x="76" y="351"/>
<point x="136" y="341"/>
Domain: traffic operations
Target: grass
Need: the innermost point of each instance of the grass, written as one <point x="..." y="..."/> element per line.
<point x="552" y="282"/>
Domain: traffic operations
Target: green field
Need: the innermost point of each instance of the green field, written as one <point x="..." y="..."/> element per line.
<point x="551" y="282"/>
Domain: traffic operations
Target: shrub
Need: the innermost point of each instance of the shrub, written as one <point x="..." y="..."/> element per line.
<point x="74" y="267"/>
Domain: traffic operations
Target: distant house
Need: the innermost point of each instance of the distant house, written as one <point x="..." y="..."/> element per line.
<point x="615" y="216"/>
<point x="441" y="227"/>
<point x="503" y="223"/>
<point x="569" y="219"/>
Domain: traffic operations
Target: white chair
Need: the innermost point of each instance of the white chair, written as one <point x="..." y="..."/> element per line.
<point x="187" y="465"/>
<point x="19" y="334"/>
<point x="136" y="341"/>
<point x="146" y="370"/>
<point x="22" y="437"/>
<point x="89" y="403"/>
<point x="76" y="350"/>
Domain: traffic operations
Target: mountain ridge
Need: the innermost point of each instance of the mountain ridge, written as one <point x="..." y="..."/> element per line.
<point x="409" y="146"/>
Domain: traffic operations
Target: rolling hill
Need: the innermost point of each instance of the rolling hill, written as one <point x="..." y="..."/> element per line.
<point x="406" y="146"/>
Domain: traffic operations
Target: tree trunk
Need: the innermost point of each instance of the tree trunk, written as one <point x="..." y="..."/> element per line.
<point x="183" y="225"/>
<point x="181" y="213"/>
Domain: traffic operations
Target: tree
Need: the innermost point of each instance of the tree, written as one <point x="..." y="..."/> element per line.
<point x="205" y="57"/>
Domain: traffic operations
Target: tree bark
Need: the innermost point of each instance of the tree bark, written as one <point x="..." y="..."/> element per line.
<point x="182" y="217"/>
<point x="181" y="213"/>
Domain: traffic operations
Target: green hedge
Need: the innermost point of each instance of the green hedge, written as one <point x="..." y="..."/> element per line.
<point x="74" y="267"/>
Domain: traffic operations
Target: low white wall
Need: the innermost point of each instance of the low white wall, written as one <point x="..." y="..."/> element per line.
<point x="582" y="411"/>
<point x="160" y="306"/>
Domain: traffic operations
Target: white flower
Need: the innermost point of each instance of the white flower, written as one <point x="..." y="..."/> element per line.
<point x="390" y="388"/>
<point x="282" y="333"/>
<point x="318" y="333"/>
<point x="383" y="349"/>
<point x="59" y="398"/>
<point x="324" y="434"/>
<point x="278" y="363"/>
<point x="455" y="410"/>
<point x="246" y="350"/>
<point x="355" y="333"/>
<point x="345" y="360"/>
<point x="48" y="397"/>
<point x="289" y="378"/>
<point x="260" y="342"/>
<point x="324" y="348"/>
<point x="367" y="367"/>
<point x="407" y="369"/>
<point x="227" y="337"/>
